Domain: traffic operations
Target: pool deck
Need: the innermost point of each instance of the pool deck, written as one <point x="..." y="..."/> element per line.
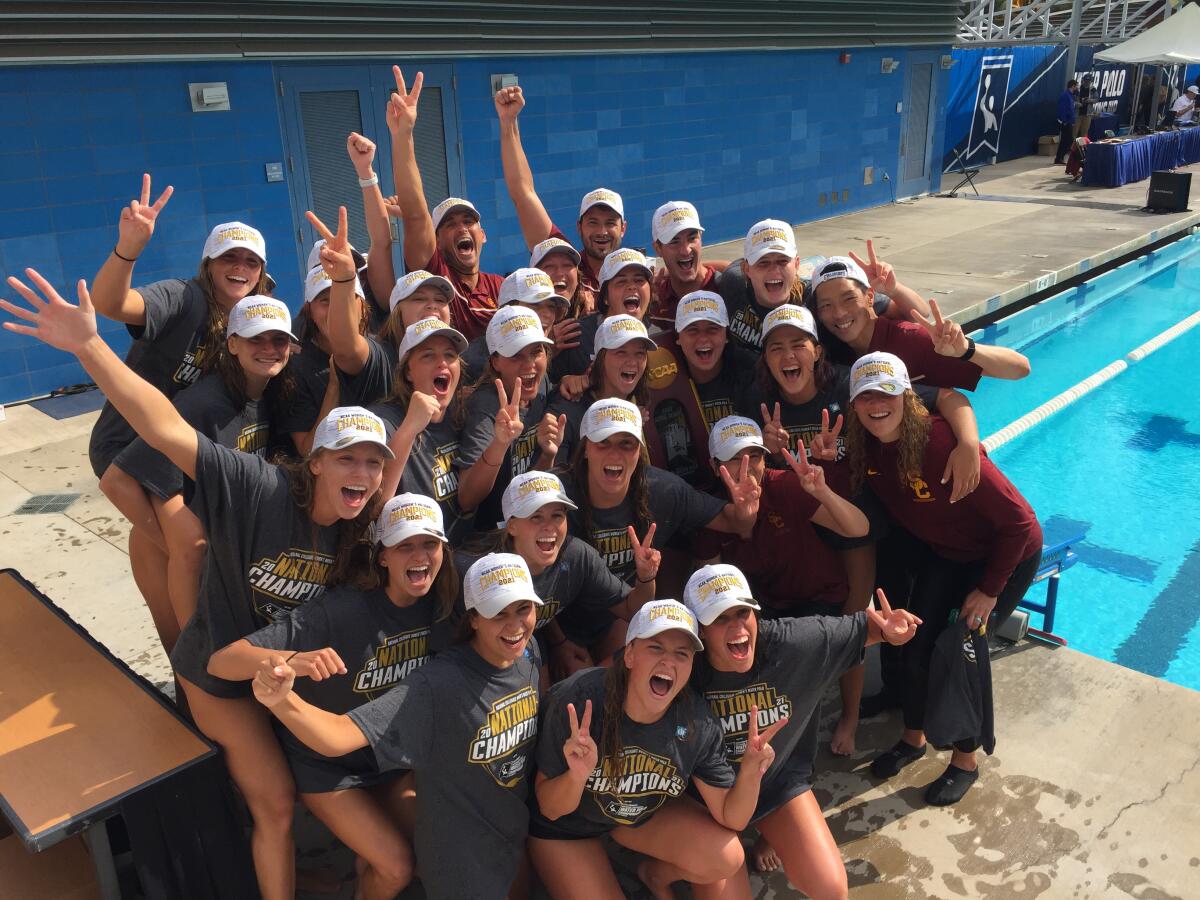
<point x="1032" y="228"/>
<point x="1095" y="784"/>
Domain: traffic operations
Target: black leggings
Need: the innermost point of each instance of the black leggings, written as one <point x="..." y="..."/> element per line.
<point x="940" y="587"/>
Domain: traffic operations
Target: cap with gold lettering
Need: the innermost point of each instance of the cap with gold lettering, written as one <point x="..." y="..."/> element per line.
<point x="604" y="418"/>
<point x="349" y="425"/>
<point x="529" y="492"/>
<point x="769" y="236"/>
<point x="409" y="515"/>
<point x="713" y="589"/>
<point x="658" y="616"/>
<point x="257" y="315"/>
<point x="495" y="581"/>
<point x="881" y="372"/>
<point x="229" y="235"/>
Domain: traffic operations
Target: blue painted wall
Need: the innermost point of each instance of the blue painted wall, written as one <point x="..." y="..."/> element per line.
<point x="743" y="136"/>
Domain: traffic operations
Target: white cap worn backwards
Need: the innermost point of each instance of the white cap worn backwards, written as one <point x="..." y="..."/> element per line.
<point x="700" y="306"/>
<point x="349" y="425"/>
<point x="617" y="331"/>
<point x="713" y="589"/>
<point x="528" y="286"/>
<point x="495" y="581"/>
<point x="529" y="492"/>
<point x="317" y="281"/>
<point x="423" y="329"/>
<point x="881" y="372"/>
<point x="673" y="217"/>
<point x="789" y="314"/>
<point x="407" y="515"/>
<point x="604" y="418"/>
<point x="769" y="236"/>
<point x="552" y="245"/>
<point x="731" y="435"/>
<point x="658" y="616"/>
<point x="622" y="259"/>
<point x="449" y="205"/>
<point x="512" y="329"/>
<point x="235" y="234"/>
<point x="839" y="267"/>
<point x="602" y="197"/>
<point x="406" y="285"/>
<point x="256" y="315"/>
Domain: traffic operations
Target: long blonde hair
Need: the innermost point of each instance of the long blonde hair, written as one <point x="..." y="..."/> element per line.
<point x="914" y="436"/>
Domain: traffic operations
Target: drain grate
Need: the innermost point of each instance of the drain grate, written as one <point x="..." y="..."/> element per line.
<point x="45" y="503"/>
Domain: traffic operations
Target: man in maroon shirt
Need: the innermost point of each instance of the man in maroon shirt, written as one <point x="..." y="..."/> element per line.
<point x="601" y="212"/>
<point x="448" y="241"/>
<point x="677" y="241"/>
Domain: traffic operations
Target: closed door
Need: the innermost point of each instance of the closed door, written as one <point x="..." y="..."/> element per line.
<point x="916" y="133"/>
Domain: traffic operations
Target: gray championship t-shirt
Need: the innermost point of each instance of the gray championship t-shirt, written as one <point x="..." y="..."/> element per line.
<point x="657" y="760"/>
<point x="209" y="408"/>
<point x="167" y="351"/>
<point x="718" y="397"/>
<point x="576" y="360"/>
<point x="795" y="661"/>
<point x="265" y="558"/>
<point x="380" y="643"/>
<point x="374" y="381"/>
<point x="309" y="371"/>
<point x="478" y="430"/>
<point x="468" y="731"/>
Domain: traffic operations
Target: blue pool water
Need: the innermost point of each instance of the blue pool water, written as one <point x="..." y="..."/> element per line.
<point x="1122" y="464"/>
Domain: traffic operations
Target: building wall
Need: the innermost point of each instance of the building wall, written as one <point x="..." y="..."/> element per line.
<point x="743" y="136"/>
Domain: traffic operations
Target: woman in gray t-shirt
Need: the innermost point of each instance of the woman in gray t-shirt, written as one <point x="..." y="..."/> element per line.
<point x="285" y="535"/>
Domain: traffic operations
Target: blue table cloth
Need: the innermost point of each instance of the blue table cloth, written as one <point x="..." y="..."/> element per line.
<point x="1111" y="165"/>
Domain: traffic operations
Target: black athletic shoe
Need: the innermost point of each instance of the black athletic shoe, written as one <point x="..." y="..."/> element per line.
<point x="890" y="762"/>
<point x="951" y="787"/>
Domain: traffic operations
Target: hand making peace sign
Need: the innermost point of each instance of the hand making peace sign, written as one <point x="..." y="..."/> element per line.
<point x="880" y="274"/>
<point x="896" y="626"/>
<point x="138" y="219"/>
<point x="402" y="105"/>
<point x="812" y="478"/>
<point x="645" y="557"/>
<point x="336" y="258"/>
<point x="825" y="444"/>
<point x="744" y="493"/>
<point x="948" y="337"/>
<point x="775" y="436"/>
<point x="759" y="753"/>
<point x="579" y="750"/>
<point x="508" y="426"/>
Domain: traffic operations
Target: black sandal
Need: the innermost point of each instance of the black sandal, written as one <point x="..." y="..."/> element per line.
<point x="890" y="762"/>
<point x="951" y="787"/>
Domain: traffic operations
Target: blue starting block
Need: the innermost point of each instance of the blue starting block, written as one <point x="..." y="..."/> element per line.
<point x="1056" y="559"/>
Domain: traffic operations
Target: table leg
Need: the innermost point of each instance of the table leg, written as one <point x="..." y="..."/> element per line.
<point x="96" y="838"/>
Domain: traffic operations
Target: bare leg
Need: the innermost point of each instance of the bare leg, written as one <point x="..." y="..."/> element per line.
<point x="361" y="823"/>
<point x="186" y="546"/>
<point x="574" y="870"/>
<point x="860" y="573"/>
<point x="968" y="762"/>
<point x="256" y="764"/>
<point x="810" y="855"/>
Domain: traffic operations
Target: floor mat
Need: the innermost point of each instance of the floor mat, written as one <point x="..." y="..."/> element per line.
<point x="70" y="405"/>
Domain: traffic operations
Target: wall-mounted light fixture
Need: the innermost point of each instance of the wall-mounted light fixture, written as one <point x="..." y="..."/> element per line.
<point x="209" y="96"/>
<point x="844" y="58"/>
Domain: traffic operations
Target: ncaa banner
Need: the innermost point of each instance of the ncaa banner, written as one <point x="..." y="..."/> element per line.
<point x="991" y="94"/>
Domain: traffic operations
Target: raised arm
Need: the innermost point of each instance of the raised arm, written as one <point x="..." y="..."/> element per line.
<point x="949" y="340"/>
<point x="350" y="349"/>
<point x="380" y="272"/>
<point x="56" y="322"/>
<point x="733" y="807"/>
<point x="241" y="660"/>
<point x="421" y="410"/>
<point x="328" y="734"/>
<point x="419" y="242"/>
<point x="741" y="512"/>
<point x="518" y="178"/>
<point x="112" y="295"/>
<point x="883" y="279"/>
<point x="560" y="796"/>
<point x="475" y="483"/>
<point x="835" y="512"/>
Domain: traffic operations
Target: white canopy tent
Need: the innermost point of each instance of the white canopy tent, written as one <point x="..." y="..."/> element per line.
<point x="1172" y="41"/>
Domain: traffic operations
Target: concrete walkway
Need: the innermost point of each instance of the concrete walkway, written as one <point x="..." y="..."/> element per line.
<point x="1033" y="227"/>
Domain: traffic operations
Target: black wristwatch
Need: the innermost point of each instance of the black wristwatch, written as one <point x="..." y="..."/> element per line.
<point x="970" y="351"/>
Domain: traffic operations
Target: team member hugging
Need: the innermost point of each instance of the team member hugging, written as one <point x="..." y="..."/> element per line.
<point x="354" y="644"/>
<point x="285" y="534"/>
<point x="779" y="670"/>
<point x="976" y="557"/>
<point x="465" y="724"/>
<point x="655" y="735"/>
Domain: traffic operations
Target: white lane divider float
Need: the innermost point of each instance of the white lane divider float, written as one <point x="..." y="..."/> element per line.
<point x="1089" y="384"/>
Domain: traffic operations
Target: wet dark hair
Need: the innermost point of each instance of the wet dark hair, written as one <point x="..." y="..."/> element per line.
<point x="446" y="584"/>
<point x="768" y="387"/>
<point x="639" y="489"/>
<point x="641" y="390"/>
<point x="836" y="350"/>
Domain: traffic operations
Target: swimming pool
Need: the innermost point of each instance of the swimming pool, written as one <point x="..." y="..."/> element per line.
<point x="1121" y="464"/>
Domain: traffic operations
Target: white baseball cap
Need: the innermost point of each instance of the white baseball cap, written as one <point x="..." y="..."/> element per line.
<point x="883" y="372"/>
<point x="769" y="236"/>
<point x="496" y="580"/>
<point x="512" y="329"/>
<point x="700" y="306"/>
<point x="349" y="425"/>
<point x="552" y="245"/>
<point x="602" y="197"/>
<point x="317" y="280"/>
<point x="604" y="418"/>
<point x="713" y="589"/>
<point x="789" y="314"/>
<point x="235" y="234"/>
<point x="673" y="217"/>
<point x="407" y="515"/>
<point x="733" y="434"/>
<point x="617" y="331"/>
<point x="256" y="315"/>
<point x="622" y="259"/>
<point x="658" y="616"/>
<point x="314" y="256"/>
<point x="407" y="284"/>
<point x="449" y="205"/>
<point x="1192" y="89"/>
<point x="529" y="286"/>
<point x="839" y="267"/>
<point x="423" y="329"/>
<point x="529" y="492"/>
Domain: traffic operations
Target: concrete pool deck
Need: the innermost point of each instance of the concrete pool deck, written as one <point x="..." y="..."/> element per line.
<point x="1095" y="784"/>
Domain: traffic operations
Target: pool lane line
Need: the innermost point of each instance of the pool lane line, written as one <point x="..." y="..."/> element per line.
<point x="1089" y="384"/>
